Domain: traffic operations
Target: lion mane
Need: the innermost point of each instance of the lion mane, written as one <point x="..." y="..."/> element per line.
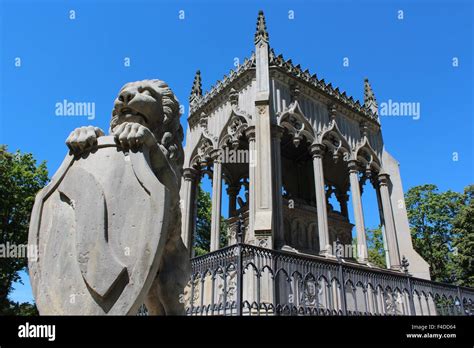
<point x="167" y="128"/>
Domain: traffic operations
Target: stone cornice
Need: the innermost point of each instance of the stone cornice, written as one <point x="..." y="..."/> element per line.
<point x="317" y="150"/>
<point x="250" y="133"/>
<point x="353" y="166"/>
<point x="383" y="179"/>
<point x="190" y="174"/>
<point x="344" y="103"/>
<point x="333" y="94"/>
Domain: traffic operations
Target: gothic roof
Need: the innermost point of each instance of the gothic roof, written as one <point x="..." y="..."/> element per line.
<point x="198" y="101"/>
<point x="220" y="85"/>
<point x="305" y="76"/>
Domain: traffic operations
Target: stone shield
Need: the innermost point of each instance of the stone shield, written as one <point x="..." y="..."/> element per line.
<point x="99" y="229"/>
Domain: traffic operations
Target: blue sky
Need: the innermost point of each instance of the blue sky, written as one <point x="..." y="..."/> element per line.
<point x="82" y="60"/>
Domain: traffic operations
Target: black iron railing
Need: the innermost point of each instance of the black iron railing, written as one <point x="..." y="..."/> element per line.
<point x="247" y="280"/>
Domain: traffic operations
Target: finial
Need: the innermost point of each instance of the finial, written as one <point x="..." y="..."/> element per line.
<point x="261" y="32"/>
<point x="369" y="98"/>
<point x="196" y="91"/>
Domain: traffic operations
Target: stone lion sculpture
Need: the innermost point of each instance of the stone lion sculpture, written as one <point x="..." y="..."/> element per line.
<point x="147" y="113"/>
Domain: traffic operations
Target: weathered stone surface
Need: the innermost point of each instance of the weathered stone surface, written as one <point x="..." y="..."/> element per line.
<point x="108" y="226"/>
<point x="101" y="229"/>
<point x="418" y="266"/>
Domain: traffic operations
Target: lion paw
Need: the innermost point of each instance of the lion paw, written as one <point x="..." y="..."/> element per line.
<point x="83" y="139"/>
<point x="132" y="135"/>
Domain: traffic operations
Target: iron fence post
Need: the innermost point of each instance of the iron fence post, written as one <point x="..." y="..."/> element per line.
<point x="192" y="294"/>
<point x="405" y="265"/>
<point x="239" y="265"/>
<point x="461" y="302"/>
<point x="341" y="277"/>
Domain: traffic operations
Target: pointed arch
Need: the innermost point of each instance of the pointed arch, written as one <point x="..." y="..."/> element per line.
<point x="334" y="140"/>
<point x="227" y="175"/>
<point x="202" y="151"/>
<point x="234" y="128"/>
<point x="296" y="124"/>
<point x="365" y="154"/>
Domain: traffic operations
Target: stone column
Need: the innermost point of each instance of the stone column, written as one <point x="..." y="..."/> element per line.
<point x="189" y="220"/>
<point x="278" y="233"/>
<point x="216" y="203"/>
<point x="250" y="133"/>
<point x="317" y="151"/>
<point x="390" y="232"/>
<point x="232" y="191"/>
<point x="375" y="183"/>
<point x="358" y="213"/>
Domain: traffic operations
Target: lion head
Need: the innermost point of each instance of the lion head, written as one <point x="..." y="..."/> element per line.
<point x="152" y="104"/>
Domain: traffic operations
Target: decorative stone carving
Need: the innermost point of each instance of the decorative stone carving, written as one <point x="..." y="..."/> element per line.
<point x="202" y="153"/>
<point x="261" y="33"/>
<point x="196" y="91"/>
<point x="366" y="156"/>
<point x="334" y="141"/>
<point x="263" y="241"/>
<point x="203" y="123"/>
<point x="305" y="76"/>
<point x="108" y="226"/>
<point x="236" y="125"/>
<point x="229" y="291"/>
<point x="206" y="100"/>
<point x="310" y="291"/>
<point x="295" y="122"/>
<point x="261" y="109"/>
<point x="233" y="126"/>
<point x="369" y="98"/>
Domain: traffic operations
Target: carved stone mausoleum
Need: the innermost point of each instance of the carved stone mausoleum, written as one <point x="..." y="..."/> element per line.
<point x="286" y="144"/>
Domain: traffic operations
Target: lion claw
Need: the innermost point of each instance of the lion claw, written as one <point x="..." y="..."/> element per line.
<point x="83" y="139"/>
<point x="131" y="135"/>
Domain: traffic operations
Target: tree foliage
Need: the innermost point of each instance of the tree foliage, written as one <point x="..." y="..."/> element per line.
<point x="375" y="247"/>
<point x="202" y="237"/>
<point x="441" y="228"/>
<point x="20" y="179"/>
<point x="463" y="229"/>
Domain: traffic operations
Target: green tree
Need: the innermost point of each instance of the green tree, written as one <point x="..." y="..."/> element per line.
<point x="431" y="215"/>
<point x="463" y="229"/>
<point x="375" y="246"/>
<point x="24" y="308"/>
<point x="202" y="237"/>
<point x="20" y="180"/>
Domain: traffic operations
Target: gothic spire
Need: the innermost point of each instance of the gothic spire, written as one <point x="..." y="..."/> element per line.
<point x="369" y="98"/>
<point x="196" y="91"/>
<point x="261" y="33"/>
